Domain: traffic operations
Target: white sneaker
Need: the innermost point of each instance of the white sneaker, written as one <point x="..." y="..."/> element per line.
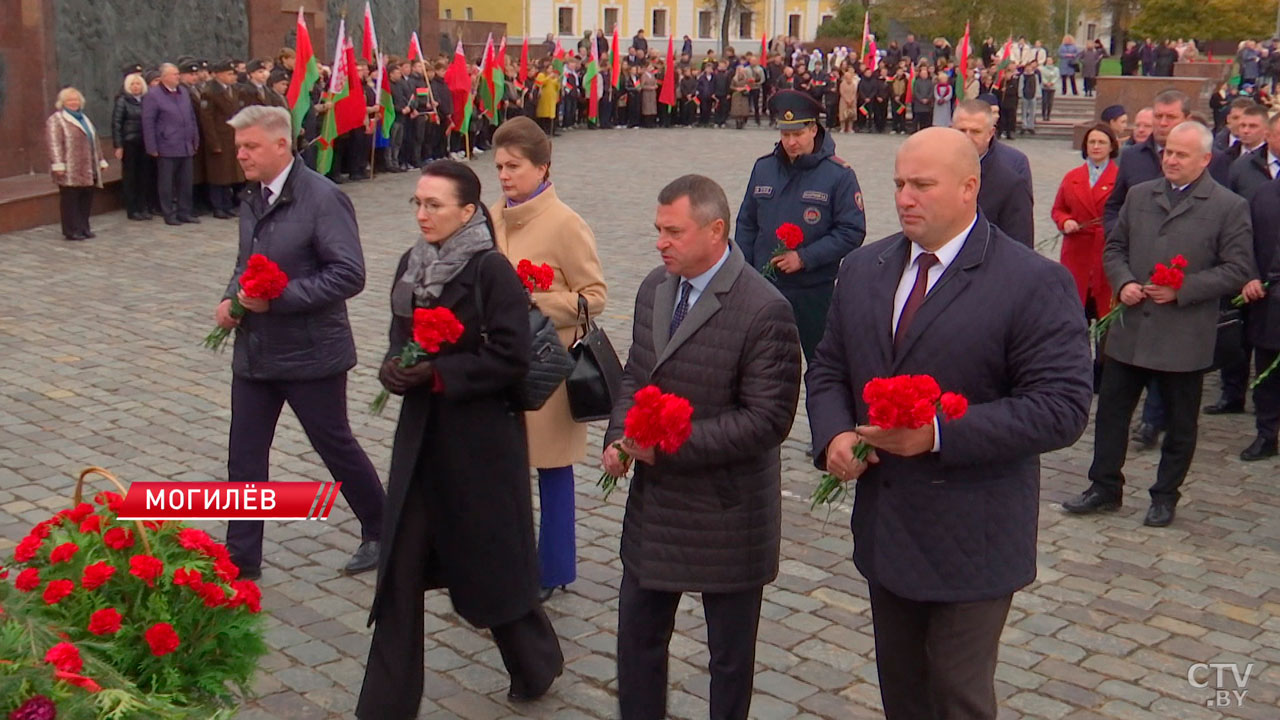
<point x="477" y="151"/>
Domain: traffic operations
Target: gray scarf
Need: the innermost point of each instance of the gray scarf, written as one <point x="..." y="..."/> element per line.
<point x="431" y="267"/>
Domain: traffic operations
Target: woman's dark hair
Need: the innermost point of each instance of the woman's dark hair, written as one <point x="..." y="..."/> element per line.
<point x="1105" y="130"/>
<point x="466" y="185"/>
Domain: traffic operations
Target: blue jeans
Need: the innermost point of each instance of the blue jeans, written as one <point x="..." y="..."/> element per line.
<point x="557" y="545"/>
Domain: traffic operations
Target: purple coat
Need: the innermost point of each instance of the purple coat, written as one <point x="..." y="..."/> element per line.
<point x="169" y="126"/>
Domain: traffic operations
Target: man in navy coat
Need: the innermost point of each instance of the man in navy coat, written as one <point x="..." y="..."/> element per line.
<point x="1005" y="193"/>
<point x="944" y="517"/>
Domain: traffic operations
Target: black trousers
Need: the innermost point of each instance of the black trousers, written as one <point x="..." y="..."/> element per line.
<point x="937" y="661"/>
<point x="1266" y="397"/>
<point x="705" y="110"/>
<point x="75" y="204"/>
<point x="321" y="407"/>
<point x="923" y="119"/>
<point x="722" y="109"/>
<point x="810" y="306"/>
<point x="137" y="180"/>
<point x="222" y="197"/>
<point x="753" y="97"/>
<point x="393" y="677"/>
<point x="358" y="153"/>
<point x="1122" y="384"/>
<point x="173" y="182"/>
<point x="1235" y="377"/>
<point x="646" y="619"/>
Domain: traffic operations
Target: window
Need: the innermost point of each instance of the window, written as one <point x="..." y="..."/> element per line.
<point x="744" y="25"/>
<point x="471" y="15"/>
<point x="610" y="20"/>
<point x="793" y="25"/>
<point x="448" y="14"/>
<point x="705" y="19"/>
<point x="564" y="20"/>
<point x="659" y="23"/>
<point x="1092" y="32"/>
<point x="825" y="18"/>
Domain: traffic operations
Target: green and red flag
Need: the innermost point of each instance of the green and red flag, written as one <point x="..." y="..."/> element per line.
<point x="615" y="61"/>
<point x="415" y="50"/>
<point x="557" y="60"/>
<point x="962" y="63"/>
<point x="668" y="94"/>
<point x="492" y="85"/>
<point x="458" y="78"/>
<point x="369" y="43"/>
<point x="591" y="81"/>
<point x="306" y="74"/>
<point x="337" y="91"/>
<point x="1005" y="60"/>
<point x="350" y="108"/>
<point x="523" y="77"/>
<point x="385" y="101"/>
<point x="764" y="47"/>
<point x="911" y="82"/>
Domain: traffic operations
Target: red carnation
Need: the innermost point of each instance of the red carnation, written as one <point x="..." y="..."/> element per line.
<point x="213" y="594"/>
<point x="535" y="277"/>
<point x="63" y="553"/>
<point x="790" y="236"/>
<point x="4" y="572"/>
<point x="262" y="279"/>
<point x="954" y="406"/>
<point x="226" y="569"/>
<point x="96" y="575"/>
<point x="162" y="638"/>
<point x="37" y="707"/>
<point x="27" y="580"/>
<point x="118" y="538"/>
<point x="656" y="419"/>
<point x="78" y="513"/>
<point x="27" y="549"/>
<point x="42" y="528"/>
<point x="105" y="622"/>
<point x="56" y="590"/>
<point x="111" y="500"/>
<point x="153" y="525"/>
<point x="432" y="327"/>
<point x="194" y="539"/>
<point x="190" y="578"/>
<point x="91" y="524"/>
<point x="65" y="657"/>
<point x="247" y="593"/>
<point x="145" y="568"/>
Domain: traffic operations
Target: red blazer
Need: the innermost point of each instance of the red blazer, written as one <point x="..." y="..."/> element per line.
<point x="1082" y="250"/>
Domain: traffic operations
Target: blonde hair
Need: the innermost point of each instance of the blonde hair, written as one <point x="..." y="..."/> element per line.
<point x="65" y="94"/>
<point x="128" y="80"/>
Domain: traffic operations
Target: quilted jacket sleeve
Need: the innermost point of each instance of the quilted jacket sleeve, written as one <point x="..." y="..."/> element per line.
<point x="768" y="390"/>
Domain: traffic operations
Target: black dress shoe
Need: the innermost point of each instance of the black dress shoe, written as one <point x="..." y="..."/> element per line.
<point x="519" y="693"/>
<point x="222" y="215"/>
<point x="172" y="221"/>
<point x="73" y="237"/>
<point x="1091" y="501"/>
<point x="1160" y="514"/>
<point x="145" y="216"/>
<point x="189" y="220"/>
<point x="545" y="593"/>
<point x="89" y="234"/>
<point x="1147" y="435"/>
<point x="365" y="559"/>
<point x="250" y="574"/>
<point x="1260" y="450"/>
<point x="1225" y="407"/>
<point x="135" y="216"/>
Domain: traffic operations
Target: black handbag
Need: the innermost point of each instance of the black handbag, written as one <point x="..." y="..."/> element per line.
<point x="1229" y="348"/>
<point x="549" y="361"/>
<point x="596" y="375"/>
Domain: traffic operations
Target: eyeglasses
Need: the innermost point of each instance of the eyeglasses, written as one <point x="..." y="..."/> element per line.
<point x="432" y="208"/>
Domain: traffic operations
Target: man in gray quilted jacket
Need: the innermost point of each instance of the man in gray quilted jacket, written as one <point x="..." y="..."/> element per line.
<point x="706" y="518"/>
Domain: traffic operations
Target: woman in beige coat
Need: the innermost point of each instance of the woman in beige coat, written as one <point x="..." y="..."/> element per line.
<point x="75" y="160"/>
<point x="530" y="223"/>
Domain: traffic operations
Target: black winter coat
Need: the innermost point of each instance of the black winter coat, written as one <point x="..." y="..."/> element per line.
<point x="1006" y="200"/>
<point x="708" y="517"/>
<point x="467" y="444"/>
<point x="1250" y="172"/>
<point x="311" y="233"/>
<point x="126" y="120"/>
<point x="1262" y="318"/>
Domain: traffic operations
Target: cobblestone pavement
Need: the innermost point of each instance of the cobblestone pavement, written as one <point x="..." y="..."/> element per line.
<point x="100" y="364"/>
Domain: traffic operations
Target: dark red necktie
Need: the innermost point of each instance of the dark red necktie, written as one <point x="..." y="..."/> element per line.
<point x="916" y="298"/>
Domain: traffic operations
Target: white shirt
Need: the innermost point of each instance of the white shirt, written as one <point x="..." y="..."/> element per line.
<point x="277" y="185"/>
<point x="700" y="283"/>
<point x="946" y="255"/>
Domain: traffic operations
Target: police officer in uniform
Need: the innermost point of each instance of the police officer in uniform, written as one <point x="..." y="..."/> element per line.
<point x="803" y="183"/>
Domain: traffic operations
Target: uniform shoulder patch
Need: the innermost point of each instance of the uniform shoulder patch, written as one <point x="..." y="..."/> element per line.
<point x="857" y="200"/>
<point x="840" y="161"/>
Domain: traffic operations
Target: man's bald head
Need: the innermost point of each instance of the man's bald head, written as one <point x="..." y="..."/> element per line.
<point x="936" y="175"/>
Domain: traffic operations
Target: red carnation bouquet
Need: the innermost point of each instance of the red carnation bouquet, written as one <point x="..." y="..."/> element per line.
<point x="150" y="613"/>
<point x="656" y="419"/>
<point x="1171" y="276"/>
<point x="432" y="328"/>
<point x="535" y="277"/>
<point x="262" y="279"/>
<point x="789" y="238"/>
<point x="900" y="402"/>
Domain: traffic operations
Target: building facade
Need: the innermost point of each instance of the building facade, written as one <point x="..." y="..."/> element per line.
<point x="660" y="19"/>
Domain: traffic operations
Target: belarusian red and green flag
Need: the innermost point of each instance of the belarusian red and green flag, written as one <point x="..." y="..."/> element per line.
<point x="492" y="82"/>
<point x="557" y="60"/>
<point x="615" y="61"/>
<point x="337" y="91"/>
<point x="306" y="74"/>
<point x="962" y="63"/>
<point x="1005" y="60"/>
<point x="591" y="81"/>
<point x="458" y="78"/>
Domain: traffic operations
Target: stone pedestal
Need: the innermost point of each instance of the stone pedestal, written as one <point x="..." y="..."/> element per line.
<point x="27" y="87"/>
<point x="1215" y="71"/>
<point x="1135" y="93"/>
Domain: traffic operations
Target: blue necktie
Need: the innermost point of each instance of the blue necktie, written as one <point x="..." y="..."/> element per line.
<point x="682" y="307"/>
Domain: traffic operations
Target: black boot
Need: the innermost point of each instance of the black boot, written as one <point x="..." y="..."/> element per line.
<point x="1261" y="449"/>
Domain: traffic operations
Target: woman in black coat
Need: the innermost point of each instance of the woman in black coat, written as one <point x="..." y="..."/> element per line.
<point x="138" y="175"/>
<point x="459" y="510"/>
